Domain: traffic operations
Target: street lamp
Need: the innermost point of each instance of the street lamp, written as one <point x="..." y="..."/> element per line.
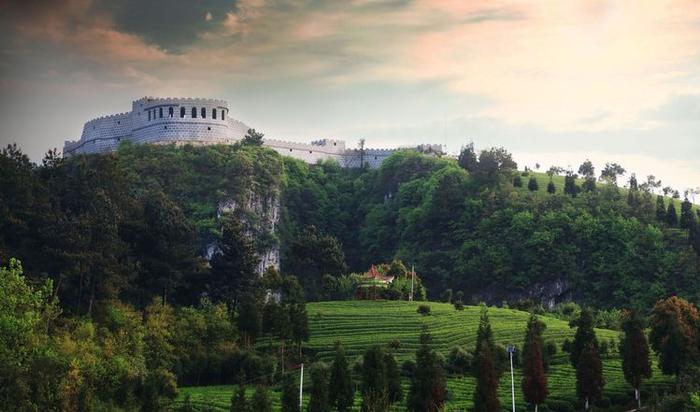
<point x="511" y="351"/>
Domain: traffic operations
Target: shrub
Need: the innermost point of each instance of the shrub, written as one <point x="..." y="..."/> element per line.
<point x="459" y="360"/>
<point x="517" y="181"/>
<point x="550" y="348"/>
<point x="566" y="345"/>
<point x="408" y="368"/>
<point x="459" y="305"/>
<point x="395" y="344"/>
<point x="423" y="310"/>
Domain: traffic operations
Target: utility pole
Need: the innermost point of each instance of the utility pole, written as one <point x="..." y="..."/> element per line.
<point x="413" y="275"/>
<point x="301" y="388"/>
<point x="511" y="351"/>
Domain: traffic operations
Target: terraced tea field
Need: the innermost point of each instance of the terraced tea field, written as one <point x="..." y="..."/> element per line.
<point x="361" y="324"/>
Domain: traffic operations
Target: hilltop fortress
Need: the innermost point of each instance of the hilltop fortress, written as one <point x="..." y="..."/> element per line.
<point x="206" y="122"/>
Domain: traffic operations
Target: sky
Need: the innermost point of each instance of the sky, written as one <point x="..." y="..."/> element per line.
<point x="554" y="82"/>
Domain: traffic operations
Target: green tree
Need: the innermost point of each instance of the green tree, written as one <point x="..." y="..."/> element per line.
<point x="467" y="158"/>
<point x="674" y="334"/>
<point x="584" y="335"/>
<point x="249" y="320"/>
<point x="494" y="164"/>
<point x="299" y="323"/>
<point x="671" y="215"/>
<point x="611" y="172"/>
<point x="534" y="384"/>
<point x="320" y="382"/>
<point x="261" y="401"/>
<point x="551" y="189"/>
<point x="374" y="388"/>
<point x="428" y="385"/>
<point x="26" y="313"/>
<point x="486" y="390"/>
<point x="253" y="138"/>
<point x="290" y="394"/>
<point x="586" y="169"/>
<point x="634" y="351"/>
<point x="660" y="209"/>
<point x="484" y="335"/>
<point x="570" y="186"/>
<point x="238" y="400"/>
<point x="233" y="268"/>
<point x="311" y="255"/>
<point x="343" y="394"/>
<point x="393" y="376"/>
<point x="687" y="215"/>
<point x="589" y="375"/>
<point x="517" y="181"/>
<point x="532" y="184"/>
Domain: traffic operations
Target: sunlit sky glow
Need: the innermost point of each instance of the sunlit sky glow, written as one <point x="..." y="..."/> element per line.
<point x="554" y="82"/>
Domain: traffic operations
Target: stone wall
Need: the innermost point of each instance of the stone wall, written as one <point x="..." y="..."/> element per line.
<point x="172" y="121"/>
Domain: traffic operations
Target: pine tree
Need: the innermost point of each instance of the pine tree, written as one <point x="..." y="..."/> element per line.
<point x="584" y="336"/>
<point x="343" y="394"/>
<point x="233" y="269"/>
<point x="687" y="216"/>
<point x="299" y="323"/>
<point x="428" y="385"/>
<point x="320" y="382"/>
<point x="517" y="181"/>
<point x="261" y="401"/>
<point x="634" y="350"/>
<point x="534" y="382"/>
<point x="660" y="209"/>
<point x="532" y="184"/>
<point x="375" y="395"/>
<point x="290" y="394"/>
<point x="671" y="215"/>
<point x="551" y="189"/>
<point x="238" y="401"/>
<point x="249" y="320"/>
<point x="393" y="376"/>
<point x="589" y="375"/>
<point x="570" y="187"/>
<point x="486" y="391"/>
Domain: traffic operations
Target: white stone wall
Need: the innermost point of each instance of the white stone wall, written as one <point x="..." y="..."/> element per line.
<point x="157" y="120"/>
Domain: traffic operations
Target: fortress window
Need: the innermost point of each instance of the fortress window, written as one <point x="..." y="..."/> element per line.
<point x="182" y="112"/>
<point x="223" y="115"/>
<point x="213" y="114"/>
<point x="208" y="128"/>
<point x="149" y="115"/>
<point x="170" y="112"/>
<point x="160" y="112"/>
<point x="194" y="112"/>
<point x="290" y="150"/>
<point x="204" y="113"/>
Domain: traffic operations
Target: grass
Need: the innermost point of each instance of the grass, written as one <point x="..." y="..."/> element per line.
<point x="558" y="180"/>
<point x="361" y="324"/>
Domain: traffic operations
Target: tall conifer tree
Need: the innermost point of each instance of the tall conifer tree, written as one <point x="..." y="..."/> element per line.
<point x="486" y="391"/>
<point x="534" y="382"/>
<point x="428" y="387"/>
<point x="589" y="375"/>
<point x="634" y="350"/>
<point x="343" y="394"/>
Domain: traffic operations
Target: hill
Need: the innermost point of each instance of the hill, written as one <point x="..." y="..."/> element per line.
<point x="362" y="324"/>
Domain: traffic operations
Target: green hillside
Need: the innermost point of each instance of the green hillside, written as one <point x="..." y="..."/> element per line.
<point x="361" y="324"/>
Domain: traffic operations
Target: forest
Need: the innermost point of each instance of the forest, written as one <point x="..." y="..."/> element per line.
<point x="124" y="278"/>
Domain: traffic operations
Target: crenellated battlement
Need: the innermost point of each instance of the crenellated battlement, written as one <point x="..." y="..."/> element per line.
<point x="182" y="99"/>
<point x="109" y="116"/>
<point x="202" y="121"/>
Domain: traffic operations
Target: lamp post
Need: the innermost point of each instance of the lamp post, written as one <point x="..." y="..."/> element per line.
<point x="511" y="351"/>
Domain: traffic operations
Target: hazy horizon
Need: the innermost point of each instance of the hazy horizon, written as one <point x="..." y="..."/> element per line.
<point x="553" y="83"/>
